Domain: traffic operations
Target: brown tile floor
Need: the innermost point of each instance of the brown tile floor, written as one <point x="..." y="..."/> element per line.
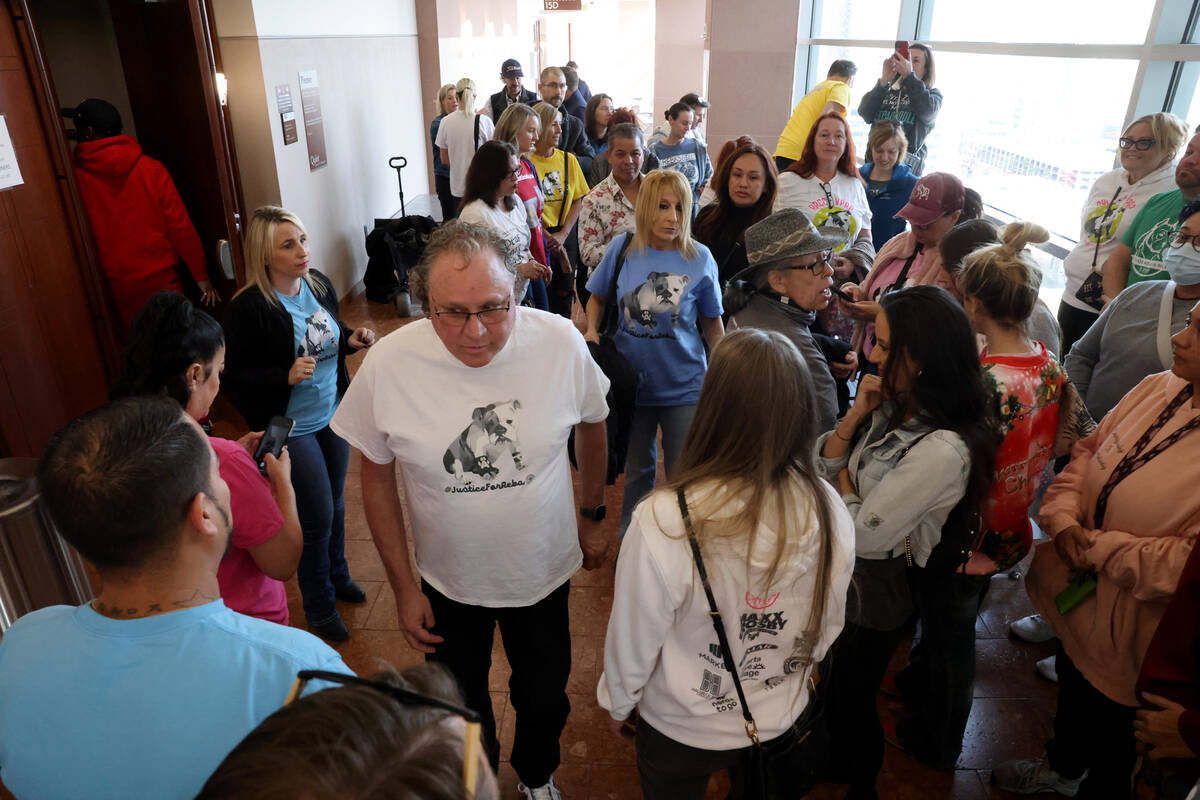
<point x="1011" y="715"/>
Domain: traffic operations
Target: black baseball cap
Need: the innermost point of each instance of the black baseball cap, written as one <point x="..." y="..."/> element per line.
<point x="511" y="69"/>
<point x="100" y="115"/>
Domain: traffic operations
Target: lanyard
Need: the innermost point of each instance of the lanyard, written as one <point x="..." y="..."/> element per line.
<point x="1136" y="458"/>
<point x="1100" y="227"/>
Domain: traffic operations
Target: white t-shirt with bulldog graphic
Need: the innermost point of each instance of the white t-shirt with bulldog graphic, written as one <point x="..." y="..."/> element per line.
<point x="482" y="452"/>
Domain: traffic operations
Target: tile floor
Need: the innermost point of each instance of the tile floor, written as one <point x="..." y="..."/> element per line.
<point x="1011" y="715"/>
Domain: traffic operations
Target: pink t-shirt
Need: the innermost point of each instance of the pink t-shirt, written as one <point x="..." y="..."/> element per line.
<point x="256" y="518"/>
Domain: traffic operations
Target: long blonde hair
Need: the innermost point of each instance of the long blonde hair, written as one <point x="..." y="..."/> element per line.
<point x="758" y="378"/>
<point x="260" y="245"/>
<point x="654" y="184"/>
<point x="511" y="122"/>
<point x="547" y="114"/>
<point x="466" y="96"/>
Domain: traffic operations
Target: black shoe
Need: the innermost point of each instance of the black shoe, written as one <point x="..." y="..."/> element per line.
<point x="333" y="630"/>
<point x="350" y="593"/>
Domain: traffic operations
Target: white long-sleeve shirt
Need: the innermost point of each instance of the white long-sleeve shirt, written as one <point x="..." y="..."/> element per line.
<point x="661" y="652"/>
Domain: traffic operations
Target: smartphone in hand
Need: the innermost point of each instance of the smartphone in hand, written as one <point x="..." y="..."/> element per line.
<point x="273" y="440"/>
<point x="902" y="49"/>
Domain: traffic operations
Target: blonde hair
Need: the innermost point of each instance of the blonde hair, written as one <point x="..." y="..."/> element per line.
<point x="547" y="114"/>
<point x="442" y="92"/>
<point x="260" y="246"/>
<point x="511" y="122"/>
<point x="654" y="185"/>
<point x="1168" y="130"/>
<point x="466" y="96"/>
<point x="1003" y="277"/>
<point x="882" y="132"/>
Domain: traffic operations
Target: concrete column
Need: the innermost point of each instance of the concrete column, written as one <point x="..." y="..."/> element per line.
<point x="678" y="52"/>
<point x="431" y="79"/>
<point x="752" y="62"/>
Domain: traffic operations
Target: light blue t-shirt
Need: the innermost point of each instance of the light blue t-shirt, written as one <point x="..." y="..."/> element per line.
<point x="660" y="296"/>
<point x="92" y="707"/>
<point x="313" y="401"/>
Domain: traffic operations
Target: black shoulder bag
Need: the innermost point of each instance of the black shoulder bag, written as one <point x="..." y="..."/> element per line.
<point x="765" y="764"/>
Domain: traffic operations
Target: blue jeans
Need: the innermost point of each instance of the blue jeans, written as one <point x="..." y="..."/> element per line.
<point x="641" y="461"/>
<point x="319" y="462"/>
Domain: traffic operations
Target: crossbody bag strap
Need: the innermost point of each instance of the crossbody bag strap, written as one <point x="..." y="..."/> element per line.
<point x="1164" y="324"/>
<point x="475" y="141"/>
<point x="718" y="623"/>
<point x="908" y="556"/>
<point x="611" y="301"/>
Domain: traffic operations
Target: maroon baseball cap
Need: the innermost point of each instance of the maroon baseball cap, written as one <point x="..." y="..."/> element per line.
<point x="934" y="196"/>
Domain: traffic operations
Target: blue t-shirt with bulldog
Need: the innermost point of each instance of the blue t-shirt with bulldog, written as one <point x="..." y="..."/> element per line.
<point x="660" y="297"/>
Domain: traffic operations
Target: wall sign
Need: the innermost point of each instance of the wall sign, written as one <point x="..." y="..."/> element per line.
<point x="287" y="115"/>
<point x="314" y="125"/>
<point x="10" y="171"/>
<point x="562" y="5"/>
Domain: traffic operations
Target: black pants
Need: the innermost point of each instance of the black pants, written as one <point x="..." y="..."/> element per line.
<point x="537" y="642"/>
<point x="1074" y="324"/>
<point x="670" y="770"/>
<point x="449" y="204"/>
<point x="782" y="163"/>
<point x="939" y="680"/>
<point x="1091" y="733"/>
<point x="860" y="659"/>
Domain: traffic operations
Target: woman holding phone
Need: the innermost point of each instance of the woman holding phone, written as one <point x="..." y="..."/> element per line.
<point x="905" y="93"/>
<point x="178" y="350"/>
<point x="287" y="356"/>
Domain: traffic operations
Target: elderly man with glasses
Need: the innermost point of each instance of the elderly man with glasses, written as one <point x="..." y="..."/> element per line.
<point x="788" y="280"/>
<point x="476" y="404"/>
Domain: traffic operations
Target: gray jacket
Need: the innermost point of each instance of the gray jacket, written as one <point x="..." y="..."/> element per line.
<point x="1121" y="347"/>
<point x="769" y="314"/>
<point x="901" y="492"/>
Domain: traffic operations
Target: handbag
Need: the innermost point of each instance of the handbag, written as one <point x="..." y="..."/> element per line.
<point x="764" y="763"/>
<point x="1091" y="290"/>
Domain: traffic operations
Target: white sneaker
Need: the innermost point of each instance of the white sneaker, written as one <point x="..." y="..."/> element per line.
<point x="547" y="792"/>
<point x="1048" y="668"/>
<point x="1032" y="777"/>
<point x="1032" y="629"/>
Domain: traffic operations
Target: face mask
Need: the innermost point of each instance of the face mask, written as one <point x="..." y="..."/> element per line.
<point x="1183" y="265"/>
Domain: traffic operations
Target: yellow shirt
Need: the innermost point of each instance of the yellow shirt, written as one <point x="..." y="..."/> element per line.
<point x="791" y="141"/>
<point x="562" y="183"/>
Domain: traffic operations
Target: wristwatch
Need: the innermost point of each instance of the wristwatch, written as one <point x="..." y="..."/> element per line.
<point x="594" y="514"/>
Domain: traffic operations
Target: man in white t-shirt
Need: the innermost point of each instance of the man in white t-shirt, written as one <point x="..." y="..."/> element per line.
<point x="476" y="404"/>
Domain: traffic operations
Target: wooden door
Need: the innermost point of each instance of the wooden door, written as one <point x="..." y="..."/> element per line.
<point x="58" y="356"/>
<point x="170" y="60"/>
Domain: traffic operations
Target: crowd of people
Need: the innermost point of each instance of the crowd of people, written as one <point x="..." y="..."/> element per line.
<point x="863" y="407"/>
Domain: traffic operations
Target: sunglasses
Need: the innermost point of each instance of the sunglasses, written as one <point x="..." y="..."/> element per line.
<point x="407" y="697"/>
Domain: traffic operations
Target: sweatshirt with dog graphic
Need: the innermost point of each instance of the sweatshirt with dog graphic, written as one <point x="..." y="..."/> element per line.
<point x="483" y="455"/>
<point x="660" y="297"/>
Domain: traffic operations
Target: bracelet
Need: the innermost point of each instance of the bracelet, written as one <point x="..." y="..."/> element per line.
<point x="838" y="435"/>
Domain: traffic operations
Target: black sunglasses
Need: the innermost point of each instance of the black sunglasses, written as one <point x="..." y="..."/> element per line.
<point x="407" y="697"/>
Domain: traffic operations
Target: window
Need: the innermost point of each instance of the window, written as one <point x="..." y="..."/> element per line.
<point x="1030" y="134"/>
<point x="869" y="61"/>
<point x="1037" y="21"/>
<point x="856" y="19"/>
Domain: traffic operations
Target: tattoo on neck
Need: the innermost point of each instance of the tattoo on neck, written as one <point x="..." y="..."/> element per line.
<point x="118" y="612"/>
<point x="198" y="597"/>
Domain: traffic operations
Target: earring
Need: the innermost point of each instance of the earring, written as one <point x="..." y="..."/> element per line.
<point x="783" y="298"/>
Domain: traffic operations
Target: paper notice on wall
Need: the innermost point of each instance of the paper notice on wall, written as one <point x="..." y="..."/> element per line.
<point x="287" y="114"/>
<point x="10" y="171"/>
<point x="314" y="125"/>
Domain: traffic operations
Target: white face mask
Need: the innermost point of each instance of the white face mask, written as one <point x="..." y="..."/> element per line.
<point x="1183" y="265"/>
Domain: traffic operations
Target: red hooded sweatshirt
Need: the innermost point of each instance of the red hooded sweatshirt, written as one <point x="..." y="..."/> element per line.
<point x="138" y="219"/>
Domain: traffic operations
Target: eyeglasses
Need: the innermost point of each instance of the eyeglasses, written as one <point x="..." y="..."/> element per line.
<point x="407" y="697"/>
<point x="817" y="267"/>
<point x="488" y="316"/>
<point x="516" y="173"/>
<point x="555" y="85"/>
<point x="1182" y="238"/>
<point x="1138" y="144"/>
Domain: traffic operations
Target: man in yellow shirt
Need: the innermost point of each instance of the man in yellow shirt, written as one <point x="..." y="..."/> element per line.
<point x="831" y="94"/>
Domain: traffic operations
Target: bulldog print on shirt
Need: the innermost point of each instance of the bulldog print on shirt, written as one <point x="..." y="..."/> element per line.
<point x="318" y="337"/>
<point x="488" y="450"/>
<point x="659" y="294"/>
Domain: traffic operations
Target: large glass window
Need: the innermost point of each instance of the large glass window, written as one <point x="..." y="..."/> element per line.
<point x="869" y="61"/>
<point x="1030" y="134"/>
<point x="856" y="19"/>
<point x="1066" y="21"/>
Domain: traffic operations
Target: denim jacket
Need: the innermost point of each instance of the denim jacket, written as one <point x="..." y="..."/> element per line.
<point x="900" y="493"/>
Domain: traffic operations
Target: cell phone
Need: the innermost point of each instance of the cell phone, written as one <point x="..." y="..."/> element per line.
<point x="902" y="49"/>
<point x="274" y="438"/>
<point x="1076" y="592"/>
<point x="842" y="294"/>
